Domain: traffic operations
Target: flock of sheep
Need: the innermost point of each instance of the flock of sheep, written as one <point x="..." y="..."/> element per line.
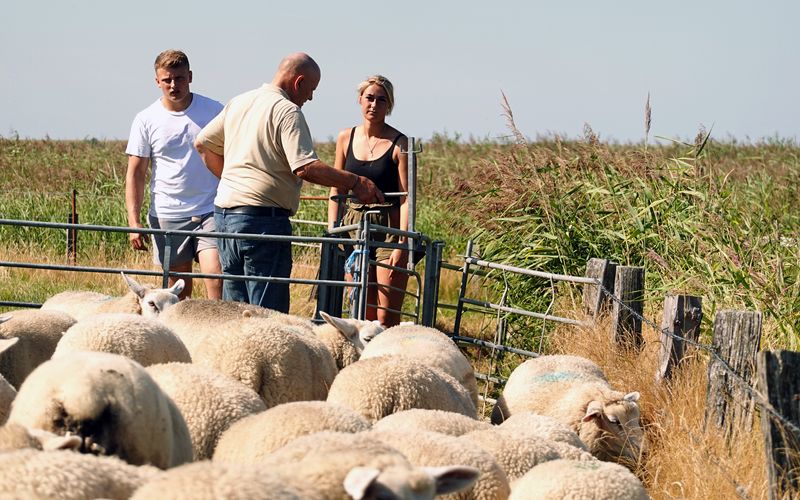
<point x="144" y="396"/>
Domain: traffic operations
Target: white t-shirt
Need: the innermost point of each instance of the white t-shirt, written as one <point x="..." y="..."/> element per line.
<point x="180" y="185"/>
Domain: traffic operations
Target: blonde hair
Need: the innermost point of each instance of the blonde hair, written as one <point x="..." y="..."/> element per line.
<point x="171" y="59"/>
<point x="385" y="84"/>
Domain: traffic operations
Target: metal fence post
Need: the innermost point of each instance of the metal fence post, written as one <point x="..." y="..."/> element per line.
<point x="463" y="291"/>
<point x="433" y="254"/>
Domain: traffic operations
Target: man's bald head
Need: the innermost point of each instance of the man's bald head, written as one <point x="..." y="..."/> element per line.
<point x="298" y="75"/>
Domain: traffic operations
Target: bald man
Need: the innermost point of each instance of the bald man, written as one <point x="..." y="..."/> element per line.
<point x="261" y="149"/>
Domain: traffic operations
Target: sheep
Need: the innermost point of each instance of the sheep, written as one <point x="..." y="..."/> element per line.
<point x="254" y="437"/>
<point x="443" y="422"/>
<point x="16" y="437"/>
<point x="281" y="362"/>
<point x="212" y="480"/>
<point x="429" y="346"/>
<point x="543" y="426"/>
<point x="564" y="387"/>
<point x="209" y="402"/>
<point x="346" y="338"/>
<point x="110" y="402"/>
<point x="578" y="480"/>
<point x="67" y="475"/>
<point x="377" y="387"/>
<point x="339" y="464"/>
<point x="518" y="453"/>
<point x="38" y="332"/>
<point x="142" y="300"/>
<point x="7" y="391"/>
<point x="425" y="448"/>
<point x="144" y="340"/>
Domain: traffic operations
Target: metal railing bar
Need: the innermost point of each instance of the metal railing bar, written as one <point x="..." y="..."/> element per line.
<point x="525" y="312"/>
<point x="32" y="305"/>
<point x="483" y="343"/>
<point x="528" y="272"/>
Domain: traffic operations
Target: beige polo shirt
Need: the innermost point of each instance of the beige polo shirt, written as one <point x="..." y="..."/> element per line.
<point x="264" y="138"/>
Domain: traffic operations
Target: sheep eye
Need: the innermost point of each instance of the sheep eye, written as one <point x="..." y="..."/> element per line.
<point x="613" y="420"/>
<point x="152" y="304"/>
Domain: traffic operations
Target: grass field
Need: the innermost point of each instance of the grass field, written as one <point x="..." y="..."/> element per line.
<point x="715" y="219"/>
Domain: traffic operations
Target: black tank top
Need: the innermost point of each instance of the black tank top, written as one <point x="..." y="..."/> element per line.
<point x="382" y="171"/>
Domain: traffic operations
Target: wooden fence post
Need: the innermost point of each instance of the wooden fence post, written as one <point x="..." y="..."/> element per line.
<point x="594" y="300"/>
<point x="737" y="335"/>
<point x="627" y="324"/>
<point x="779" y="382"/>
<point x="682" y="315"/>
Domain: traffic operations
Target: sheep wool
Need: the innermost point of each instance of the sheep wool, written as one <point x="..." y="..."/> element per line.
<point x="211" y="481"/>
<point x="344" y="465"/>
<point x="443" y="422"/>
<point x="252" y="438"/>
<point x="528" y="422"/>
<point x="38" y="333"/>
<point x="578" y="480"/>
<point x="517" y="454"/>
<point x="68" y="475"/>
<point x="193" y="319"/>
<point x="144" y="300"/>
<point x="377" y="387"/>
<point x="110" y="402"/>
<point x="424" y="448"/>
<point x="562" y="387"/>
<point x="209" y="401"/>
<point x="281" y="362"/>
<point x="144" y="340"/>
<point x="428" y="346"/>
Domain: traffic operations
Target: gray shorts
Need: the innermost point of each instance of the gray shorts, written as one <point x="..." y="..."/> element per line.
<point x="183" y="248"/>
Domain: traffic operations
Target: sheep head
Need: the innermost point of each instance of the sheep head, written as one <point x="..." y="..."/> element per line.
<point x="357" y="332"/>
<point x="153" y="301"/>
<point x="402" y="483"/>
<point x="612" y="430"/>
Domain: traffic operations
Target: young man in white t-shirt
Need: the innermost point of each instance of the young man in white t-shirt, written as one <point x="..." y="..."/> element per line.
<point x="182" y="189"/>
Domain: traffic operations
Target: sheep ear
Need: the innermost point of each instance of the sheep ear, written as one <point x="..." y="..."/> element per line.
<point x="631" y="397"/>
<point x="134" y="286"/>
<point x="358" y="481"/>
<point x="346" y="328"/>
<point x="7" y="343"/>
<point x="452" y="478"/>
<point x="3" y="319"/>
<point x="177" y="288"/>
<point x="595" y="409"/>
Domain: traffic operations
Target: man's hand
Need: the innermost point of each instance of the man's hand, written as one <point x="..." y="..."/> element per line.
<point x="366" y="191"/>
<point x="138" y="242"/>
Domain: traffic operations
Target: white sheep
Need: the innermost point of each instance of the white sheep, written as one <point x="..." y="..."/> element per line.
<point x="346" y="338"/>
<point x="281" y="362"/>
<point x="428" y="346"/>
<point x="65" y="475"/>
<point x="443" y="422"/>
<point x="377" y="387"/>
<point x="38" y="333"/>
<point x="144" y="340"/>
<point x="344" y="465"/>
<point x="564" y="387"/>
<point x="7" y="391"/>
<point x="209" y="401"/>
<point x="518" y="453"/>
<point x="16" y="437"/>
<point x="148" y="302"/>
<point x="430" y="449"/>
<point x="528" y="422"/>
<point x="212" y="481"/>
<point x="110" y="402"/>
<point x="256" y="436"/>
<point x="578" y="480"/>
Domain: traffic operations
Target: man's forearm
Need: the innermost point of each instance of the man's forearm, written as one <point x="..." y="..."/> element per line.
<point x="214" y="162"/>
<point x="320" y="173"/>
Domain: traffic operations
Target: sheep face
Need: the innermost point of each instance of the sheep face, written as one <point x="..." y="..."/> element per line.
<point x="153" y="302"/>
<point x="613" y="431"/>
<point x="403" y="484"/>
<point x="357" y="332"/>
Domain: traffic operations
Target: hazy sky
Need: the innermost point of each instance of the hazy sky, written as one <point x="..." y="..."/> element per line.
<point x="82" y="69"/>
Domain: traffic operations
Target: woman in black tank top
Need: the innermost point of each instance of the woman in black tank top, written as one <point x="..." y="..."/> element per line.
<point x="372" y="150"/>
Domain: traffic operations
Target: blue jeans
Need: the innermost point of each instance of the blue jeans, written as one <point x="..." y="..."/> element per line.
<point x="255" y="258"/>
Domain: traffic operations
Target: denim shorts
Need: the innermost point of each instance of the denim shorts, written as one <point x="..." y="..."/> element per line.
<point x="183" y="248"/>
<point x="255" y="258"/>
